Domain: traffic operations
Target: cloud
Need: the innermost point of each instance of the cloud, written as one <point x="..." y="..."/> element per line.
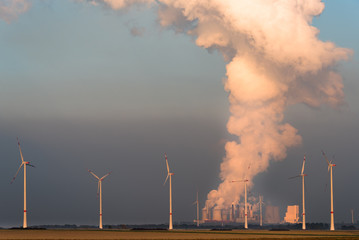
<point x="137" y="31"/>
<point x="11" y="9"/>
<point x="120" y="4"/>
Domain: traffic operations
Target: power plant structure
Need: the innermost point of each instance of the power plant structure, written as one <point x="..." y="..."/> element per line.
<point x="292" y="214"/>
<point x="272" y="214"/>
<point x="234" y="214"/>
<point x="260" y="210"/>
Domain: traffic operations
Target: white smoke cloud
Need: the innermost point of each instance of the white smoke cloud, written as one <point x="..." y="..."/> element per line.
<point x="274" y="59"/>
<point x="119" y="4"/>
<point x="10" y="9"/>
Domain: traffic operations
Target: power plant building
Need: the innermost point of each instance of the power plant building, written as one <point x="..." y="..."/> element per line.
<point x="271" y="215"/>
<point x="234" y="213"/>
<point x="292" y="214"/>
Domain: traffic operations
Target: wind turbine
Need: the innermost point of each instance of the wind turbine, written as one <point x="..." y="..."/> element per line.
<point x="303" y="198"/>
<point x="245" y="180"/>
<point x="197" y="205"/>
<point x="330" y="168"/>
<point x="169" y="174"/>
<point x="23" y="163"/>
<point x="99" y="190"/>
<point x="245" y="201"/>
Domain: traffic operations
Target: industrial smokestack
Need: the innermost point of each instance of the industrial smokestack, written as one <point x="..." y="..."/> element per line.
<point x="232" y="218"/>
<point x="260" y="210"/>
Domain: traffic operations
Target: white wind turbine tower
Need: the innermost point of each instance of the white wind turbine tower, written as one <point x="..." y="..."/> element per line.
<point x="330" y="168"/>
<point x="245" y="180"/>
<point x="197" y="205"/>
<point x="169" y="174"/>
<point x="303" y="195"/>
<point x="99" y="191"/>
<point x="245" y="201"/>
<point x="23" y="163"/>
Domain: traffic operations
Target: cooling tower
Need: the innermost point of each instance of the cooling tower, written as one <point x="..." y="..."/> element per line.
<point x="217" y="215"/>
<point x="205" y="214"/>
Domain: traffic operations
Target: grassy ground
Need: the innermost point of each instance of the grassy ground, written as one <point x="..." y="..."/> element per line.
<point x="175" y="234"/>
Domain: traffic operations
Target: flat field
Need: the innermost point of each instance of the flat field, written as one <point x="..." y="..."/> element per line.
<point x="175" y="234"/>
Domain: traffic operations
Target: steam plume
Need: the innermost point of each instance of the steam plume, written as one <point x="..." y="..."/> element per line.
<point x="119" y="4"/>
<point x="274" y="59"/>
<point x="10" y="9"/>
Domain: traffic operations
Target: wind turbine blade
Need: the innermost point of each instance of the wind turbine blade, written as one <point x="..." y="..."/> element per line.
<point x="30" y="165"/>
<point x="93" y="174"/>
<point x="242" y="180"/>
<point x="294" y="177"/>
<point x="18" y="143"/>
<point x="106" y="175"/>
<point x="166" y="179"/>
<point x="168" y="168"/>
<point x="303" y="165"/>
<point x="13" y="179"/>
<point x="326" y="159"/>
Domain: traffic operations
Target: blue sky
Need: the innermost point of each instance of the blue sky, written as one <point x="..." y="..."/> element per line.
<point x="82" y="92"/>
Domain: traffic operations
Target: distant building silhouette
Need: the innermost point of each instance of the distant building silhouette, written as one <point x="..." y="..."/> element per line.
<point x="234" y="213"/>
<point x="272" y="215"/>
